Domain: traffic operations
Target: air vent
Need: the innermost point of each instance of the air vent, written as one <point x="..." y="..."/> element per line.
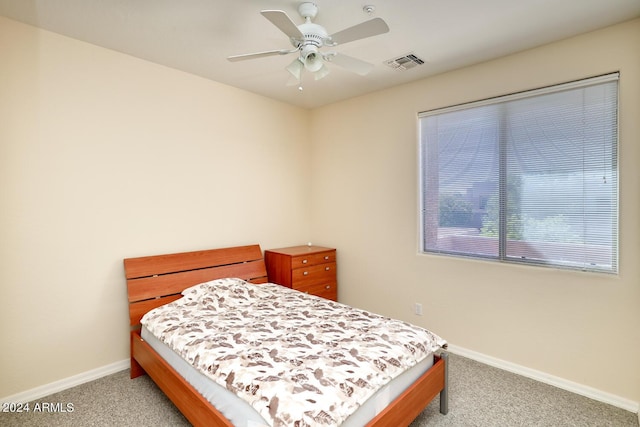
<point x="404" y="62"/>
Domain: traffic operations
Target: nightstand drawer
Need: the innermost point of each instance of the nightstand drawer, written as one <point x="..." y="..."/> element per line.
<point x="313" y="259"/>
<point x="324" y="290"/>
<point x="314" y="274"/>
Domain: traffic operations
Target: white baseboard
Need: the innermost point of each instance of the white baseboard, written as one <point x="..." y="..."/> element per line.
<point x="580" y="389"/>
<point x="56" y="386"/>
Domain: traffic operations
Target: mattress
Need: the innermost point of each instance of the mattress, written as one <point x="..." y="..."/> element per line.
<point x="241" y="414"/>
<point x="289" y="357"/>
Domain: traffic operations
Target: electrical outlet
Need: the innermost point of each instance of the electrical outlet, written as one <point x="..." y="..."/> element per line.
<point x="417" y="307"/>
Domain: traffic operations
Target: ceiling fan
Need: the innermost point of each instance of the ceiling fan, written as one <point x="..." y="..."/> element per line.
<point x="308" y="38"/>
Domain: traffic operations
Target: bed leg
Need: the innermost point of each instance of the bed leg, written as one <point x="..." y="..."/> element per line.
<point x="444" y="394"/>
<point x="136" y="370"/>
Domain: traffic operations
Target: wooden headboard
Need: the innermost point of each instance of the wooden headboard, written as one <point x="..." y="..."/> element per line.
<point x="156" y="280"/>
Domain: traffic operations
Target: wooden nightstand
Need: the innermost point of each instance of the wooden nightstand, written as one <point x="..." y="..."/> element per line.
<point x="310" y="269"/>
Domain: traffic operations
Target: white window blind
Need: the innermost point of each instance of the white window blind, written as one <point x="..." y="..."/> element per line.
<point x="529" y="177"/>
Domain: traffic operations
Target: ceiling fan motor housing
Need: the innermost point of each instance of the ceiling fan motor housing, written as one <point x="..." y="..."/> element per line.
<point x="314" y="34"/>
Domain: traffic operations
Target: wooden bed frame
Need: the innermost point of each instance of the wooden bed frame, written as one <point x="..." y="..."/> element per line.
<point x="156" y="280"/>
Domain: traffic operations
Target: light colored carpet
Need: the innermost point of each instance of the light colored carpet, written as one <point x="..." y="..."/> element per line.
<point x="479" y="396"/>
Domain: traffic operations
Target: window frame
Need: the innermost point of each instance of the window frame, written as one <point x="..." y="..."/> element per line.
<point x="502" y="256"/>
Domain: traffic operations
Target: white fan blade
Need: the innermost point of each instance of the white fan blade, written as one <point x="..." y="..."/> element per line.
<point x="281" y="20"/>
<point x="242" y="57"/>
<point x="366" y="29"/>
<point x="350" y="63"/>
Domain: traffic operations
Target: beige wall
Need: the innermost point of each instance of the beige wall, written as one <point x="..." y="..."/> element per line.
<point x="581" y="327"/>
<point x="104" y="156"/>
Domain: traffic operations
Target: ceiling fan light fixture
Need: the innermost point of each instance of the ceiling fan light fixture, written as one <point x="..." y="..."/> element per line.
<point x="295" y="68"/>
<point x="311" y="58"/>
<point x="322" y="72"/>
<point x="313" y="63"/>
<point x="309" y="38"/>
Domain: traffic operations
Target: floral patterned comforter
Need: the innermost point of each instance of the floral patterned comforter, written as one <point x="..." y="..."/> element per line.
<point x="299" y="360"/>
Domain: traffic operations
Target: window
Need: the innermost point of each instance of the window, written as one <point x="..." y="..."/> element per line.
<point x="529" y="177"/>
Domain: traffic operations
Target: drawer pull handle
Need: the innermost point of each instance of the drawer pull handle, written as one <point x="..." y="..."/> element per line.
<point x="326" y="257"/>
<point x="305" y="273"/>
<point x="327" y="268"/>
<point x="304" y="261"/>
<point x="328" y="287"/>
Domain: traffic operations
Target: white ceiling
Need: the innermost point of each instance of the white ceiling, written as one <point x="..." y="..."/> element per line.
<point x="196" y="36"/>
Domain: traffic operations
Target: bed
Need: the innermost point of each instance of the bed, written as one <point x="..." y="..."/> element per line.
<point x="155" y="281"/>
